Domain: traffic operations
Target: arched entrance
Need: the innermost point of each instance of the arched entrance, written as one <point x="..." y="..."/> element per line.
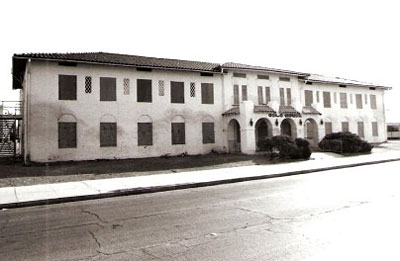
<point x="288" y="127"/>
<point x="263" y="129"/>
<point x="311" y="132"/>
<point x="233" y="136"/>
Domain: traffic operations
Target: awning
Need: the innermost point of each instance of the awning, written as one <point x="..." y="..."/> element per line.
<point x="310" y="110"/>
<point x="231" y="111"/>
<point x="288" y="111"/>
<point x="265" y="109"/>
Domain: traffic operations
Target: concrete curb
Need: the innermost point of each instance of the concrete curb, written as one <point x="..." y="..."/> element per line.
<point x="146" y="190"/>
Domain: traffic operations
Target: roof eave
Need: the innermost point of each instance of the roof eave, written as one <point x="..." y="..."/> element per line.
<point x="266" y="70"/>
<point x="350" y="84"/>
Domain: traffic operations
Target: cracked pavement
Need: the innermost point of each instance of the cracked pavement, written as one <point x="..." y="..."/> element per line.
<point x="347" y="214"/>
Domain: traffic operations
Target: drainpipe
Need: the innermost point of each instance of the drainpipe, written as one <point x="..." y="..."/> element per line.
<point x="26" y="111"/>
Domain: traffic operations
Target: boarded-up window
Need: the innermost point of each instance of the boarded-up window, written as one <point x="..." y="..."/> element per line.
<point x="374" y="128"/>
<point x="327" y="99"/>
<point x="282" y="96"/>
<point x="208" y="132"/>
<point x="108" y="134"/>
<point x="178" y="132"/>
<point x="260" y="95"/>
<point x="328" y="127"/>
<point x="358" y="101"/>
<point x="177" y="92"/>
<point x="343" y="100"/>
<point x="308" y="97"/>
<point x="373" y="101"/>
<point x="360" y="128"/>
<point x="108" y="90"/>
<point x="289" y="97"/>
<point x="235" y="94"/>
<point x="267" y="95"/>
<point x="145" y="133"/>
<point x="67" y="87"/>
<point x="143" y="90"/>
<point x="207" y="93"/>
<point x="244" y="92"/>
<point x="67" y="135"/>
<point x="345" y="126"/>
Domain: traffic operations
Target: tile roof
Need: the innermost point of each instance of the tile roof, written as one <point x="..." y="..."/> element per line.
<point x="265" y="109"/>
<point x="288" y="111"/>
<point x="231" y="111"/>
<point x="338" y="80"/>
<point x="310" y="110"/>
<point x="231" y="65"/>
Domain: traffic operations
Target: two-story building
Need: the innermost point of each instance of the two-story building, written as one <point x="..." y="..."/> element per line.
<point x="84" y="106"/>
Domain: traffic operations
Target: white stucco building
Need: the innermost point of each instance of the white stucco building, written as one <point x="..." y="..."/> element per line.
<point x="84" y="106"/>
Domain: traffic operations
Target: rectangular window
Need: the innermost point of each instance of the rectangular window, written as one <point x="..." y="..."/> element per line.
<point x="66" y="135"/>
<point x="267" y="95"/>
<point x="343" y="100"/>
<point x="374" y="128"/>
<point x="358" y="101"/>
<point x="206" y="74"/>
<point x="260" y="95"/>
<point x="308" y="97"/>
<point x="282" y="96"/>
<point x="284" y="79"/>
<point x="178" y="133"/>
<point x="207" y="93"/>
<point x="235" y="94"/>
<point x="143" y="90"/>
<point x="366" y="98"/>
<point x="161" y="88"/>
<point x="244" y="92"/>
<point x="360" y="128"/>
<point x="208" y="132"/>
<point x="351" y="98"/>
<point x="66" y="87"/>
<point x="373" y="101"/>
<point x="289" y="97"/>
<point x="335" y="97"/>
<point x="177" y="92"/>
<point x="317" y="93"/>
<point x="328" y="127"/>
<point x="263" y="77"/>
<point x="345" y="126"/>
<point x="145" y="134"/>
<point x="88" y="84"/>
<point x="192" y="89"/>
<point x="108" y="134"/>
<point x="108" y="89"/>
<point x="327" y="99"/>
<point x="239" y="75"/>
<point x="126" y="86"/>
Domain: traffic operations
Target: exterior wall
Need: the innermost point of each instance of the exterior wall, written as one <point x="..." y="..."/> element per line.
<point x="45" y="109"/>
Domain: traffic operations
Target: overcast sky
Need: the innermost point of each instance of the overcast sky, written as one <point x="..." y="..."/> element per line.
<point x="352" y="39"/>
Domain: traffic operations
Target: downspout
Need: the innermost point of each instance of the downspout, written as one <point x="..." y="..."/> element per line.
<point x="26" y="112"/>
<point x="384" y="117"/>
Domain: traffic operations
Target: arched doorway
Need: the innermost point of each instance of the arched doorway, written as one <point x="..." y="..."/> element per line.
<point x="288" y="127"/>
<point x="234" y="136"/>
<point x="311" y="132"/>
<point x="263" y="129"/>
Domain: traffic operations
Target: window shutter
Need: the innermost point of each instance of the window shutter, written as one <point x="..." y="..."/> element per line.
<point x="345" y="126"/>
<point x="143" y="90"/>
<point x="108" y="134"/>
<point x="177" y="92"/>
<point x="360" y="129"/>
<point x="236" y="94"/>
<point x="207" y="93"/>
<point x="178" y="132"/>
<point x="108" y="90"/>
<point x="289" y="96"/>
<point x="343" y="100"/>
<point x="145" y="134"/>
<point x="208" y="132"/>
<point x="66" y="135"/>
<point x="308" y="97"/>
<point x="373" y="101"/>
<point x="67" y="87"/>
<point x="244" y="92"/>
<point x="260" y="95"/>
<point x="359" y="101"/>
<point x="328" y="127"/>
<point x="267" y="95"/>
<point x="327" y="99"/>
<point x="282" y="96"/>
<point x="374" y="128"/>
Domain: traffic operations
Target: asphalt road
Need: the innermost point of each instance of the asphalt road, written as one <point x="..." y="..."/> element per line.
<point x="348" y="214"/>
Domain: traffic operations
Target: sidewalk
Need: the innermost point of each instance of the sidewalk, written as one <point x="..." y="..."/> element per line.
<point x="91" y="189"/>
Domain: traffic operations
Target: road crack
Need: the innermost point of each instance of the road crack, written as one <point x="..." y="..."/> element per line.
<point x="95" y="215"/>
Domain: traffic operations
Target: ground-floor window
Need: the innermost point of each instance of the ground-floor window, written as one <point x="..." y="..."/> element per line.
<point x="108" y="134"/>
<point x="208" y="132"/>
<point x="145" y="133"/>
<point x="360" y="129"/>
<point x="328" y="127"/>
<point x="66" y="135"/>
<point x="345" y="126"/>
<point x="178" y="133"/>
<point x="375" y="129"/>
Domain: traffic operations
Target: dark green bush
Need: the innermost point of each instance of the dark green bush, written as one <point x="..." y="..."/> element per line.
<point x="286" y="146"/>
<point x="344" y="142"/>
<point x="303" y="148"/>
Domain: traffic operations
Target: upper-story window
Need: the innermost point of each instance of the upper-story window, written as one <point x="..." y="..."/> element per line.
<point x="373" y="101"/>
<point x="143" y="90"/>
<point x="239" y="75"/>
<point x="235" y="94"/>
<point x="108" y="134"/>
<point x="343" y="100"/>
<point x="282" y="96"/>
<point x="359" y="101"/>
<point x="244" y="92"/>
<point x="267" y="95"/>
<point x="108" y="90"/>
<point x="284" y="79"/>
<point x="308" y="97"/>
<point x="288" y="96"/>
<point x="207" y="93"/>
<point x="88" y="84"/>
<point x="263" y="77"/>
<point x="126" y="86"/>
<point x="327" y="99"/>
<point x="260" y="95"/>
<point x="66" y="87"/>
<point x="177" y="92"/>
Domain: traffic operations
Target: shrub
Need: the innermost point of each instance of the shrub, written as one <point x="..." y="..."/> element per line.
<point x="303" y="148"/>
<point x="344" y="142"/>
<point x="286" y="146"/>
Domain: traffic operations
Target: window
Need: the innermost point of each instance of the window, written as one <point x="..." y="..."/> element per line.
<point x="66" y="135"/>
<point x="143" y="90"/>
<point x="366" y="98"/>
<point x="67" y="87"/>
<point x="309" y="130"/>
<point x="282" y="96"/>
<point x="235" y="94"/>
<point x="317" y="93"/>
<point x="289" y="97"/>
<point x="335" y="97"/>
<point x="206" y="74"/>
<point x="328" y="127"/>
<point x="126" y="86"/>
<point x="145" y="133"/>
<point x="178" y="132"/>
<point x="143" y="69"/>
<point x="267" y="95"/>
<point x="343" y="100"/>
<point x="161" y="88"/>
<point x="284" y="79"/>
<point x="207" y="93"/>
<point x="308" y="97"/>
<point x="263" y="77"/>
<point x="239" y="75"/>
<point x="71" y="64"/>
<point x="88" y="84"/>
<point x="345" y="126"/>
<point x="360" y="128"/>
<point x="108" y="134"/>
<point x="177" y="92"/>
<point x="358" y="101"/>
<point x="260" y="95"/>
<point x="351" y="98"/>
<point x="244" y="92"/>
<point x="342" y="86"/>
<point x="374" y="128"/>
<point x="373" y="101"/>
<point x="192" y="89"/>
<point x="327" y="99"/>
<point x="108" y="90"/>
<point x="208" y="132"/>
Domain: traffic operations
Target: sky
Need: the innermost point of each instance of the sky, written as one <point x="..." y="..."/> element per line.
<point x="357" y="40"/>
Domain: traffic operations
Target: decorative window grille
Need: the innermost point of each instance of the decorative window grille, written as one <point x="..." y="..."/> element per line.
<point x="161" y="88"/>
<point x="88" y="84"/>
<point x="192" y="89"/>
<point x="126" y="86"/>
